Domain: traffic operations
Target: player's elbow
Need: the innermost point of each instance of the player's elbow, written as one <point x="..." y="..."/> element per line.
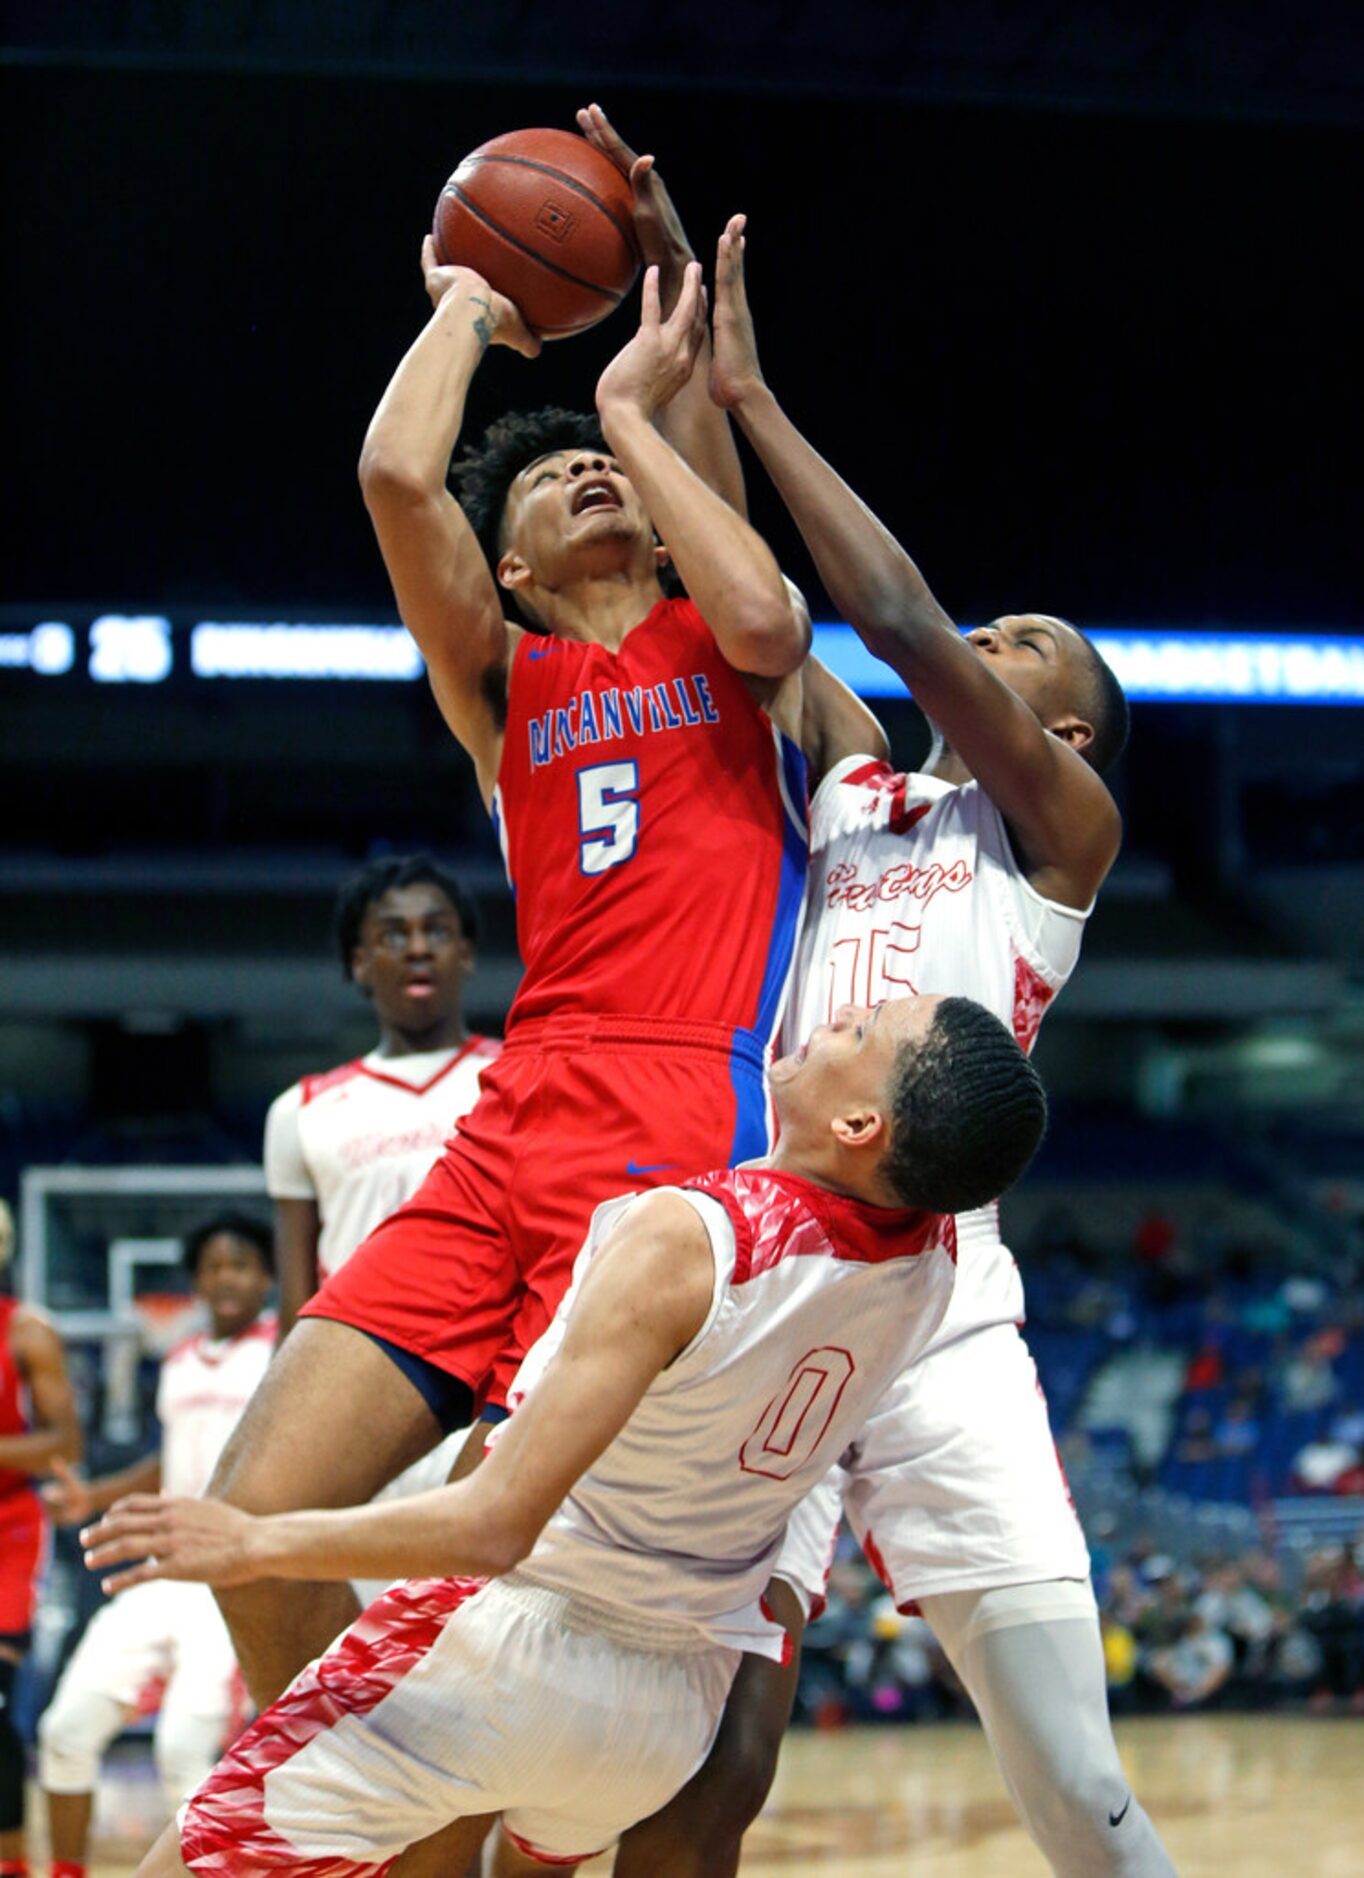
<point x="767" y="641"/>
<point x="388" y="477"/>
<point x="504" y="1538"/>
<point x="502" y="1549"/>
<point x="892" y="623"/>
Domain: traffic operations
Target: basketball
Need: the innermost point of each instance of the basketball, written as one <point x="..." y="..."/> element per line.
<point x="547" y="220"/>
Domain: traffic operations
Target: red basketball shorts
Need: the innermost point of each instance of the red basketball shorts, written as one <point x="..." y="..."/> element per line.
<point x="23" y="1548"/>
<point x="575" y="1111"/>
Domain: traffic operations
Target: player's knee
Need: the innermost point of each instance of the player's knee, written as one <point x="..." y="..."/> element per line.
<point x="72" y="1735"/>
<point x="1072" y="1814"/>
<point x="185" y="1750"/>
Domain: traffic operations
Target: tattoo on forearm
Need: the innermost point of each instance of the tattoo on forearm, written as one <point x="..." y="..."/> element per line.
<point x="483" y="323"/>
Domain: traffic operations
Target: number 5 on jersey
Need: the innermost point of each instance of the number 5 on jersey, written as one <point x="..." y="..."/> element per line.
<point x="608" y="815"/>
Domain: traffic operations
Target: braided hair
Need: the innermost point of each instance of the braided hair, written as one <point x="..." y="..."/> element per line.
<point x="968" y="1112"/>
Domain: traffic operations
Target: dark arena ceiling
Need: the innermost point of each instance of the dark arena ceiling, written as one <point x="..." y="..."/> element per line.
<point x="1197" y="56"/>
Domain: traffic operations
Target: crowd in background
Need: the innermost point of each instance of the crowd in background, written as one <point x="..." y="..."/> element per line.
<point x="1209" y="1408"/>
<point x="1214" y="1633"/>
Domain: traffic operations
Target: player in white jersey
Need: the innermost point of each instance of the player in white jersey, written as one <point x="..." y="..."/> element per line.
<point x="165" y="1643"/>
<point x="973" y="879"/>
<point x="719" y="1342"/>
<point x="346" y="1148"/>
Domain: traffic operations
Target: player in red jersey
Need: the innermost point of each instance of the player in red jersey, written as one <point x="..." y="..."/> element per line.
<point x="38" y="1425"/>
<point x="638" y="755"/>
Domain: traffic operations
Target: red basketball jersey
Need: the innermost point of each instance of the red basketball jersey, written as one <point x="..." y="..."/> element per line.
<point x="652" y="820"/>
<point x="14" y="1485"/>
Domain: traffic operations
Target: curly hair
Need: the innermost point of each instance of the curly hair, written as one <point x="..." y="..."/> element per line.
<point x="233" y="1225"/>
<point x="376" y="878"/>
<point x="485" y="473"/>
<point x="968" y="1112"/>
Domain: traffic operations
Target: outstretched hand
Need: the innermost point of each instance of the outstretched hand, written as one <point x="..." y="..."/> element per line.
<point x="659" y="360"/>
<point x="658" y="227"/>
<point x="66" y="1496"/>
<point x="203" y="1541"/>
<point x="734" y="369"/>
<point x="496" y="321"/>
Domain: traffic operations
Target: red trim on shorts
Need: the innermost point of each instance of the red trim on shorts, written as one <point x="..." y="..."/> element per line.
<point x="788" y="1649"/>
<point x="225" y="1831"/>
<point x="872" y="1553"/>
<point x="546" y="1858"/>
<point x="150" y="1693"/>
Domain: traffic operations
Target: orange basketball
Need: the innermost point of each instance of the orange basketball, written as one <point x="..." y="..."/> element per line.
<point x="547" y="220"/>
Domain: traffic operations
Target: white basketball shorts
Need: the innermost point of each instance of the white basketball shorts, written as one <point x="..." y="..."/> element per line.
<point x="156" y="1637"/>
<point x="453" y="1697"/>
<point x="952" y="1484"/>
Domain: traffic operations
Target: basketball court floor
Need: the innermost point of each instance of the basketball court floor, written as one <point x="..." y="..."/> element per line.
<point x="1235" y="1797"/>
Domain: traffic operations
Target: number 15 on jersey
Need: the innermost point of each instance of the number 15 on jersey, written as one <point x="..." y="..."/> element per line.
<point x="608" y="815"/>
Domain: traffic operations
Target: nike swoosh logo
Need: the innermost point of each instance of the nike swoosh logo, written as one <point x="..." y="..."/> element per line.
<point x="539" y="655"/>
<point x="1116" y="1819"/>
<point x="657" y="1167"/>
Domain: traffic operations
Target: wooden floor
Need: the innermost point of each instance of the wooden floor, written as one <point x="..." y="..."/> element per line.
<point x="1234" y="1797"/>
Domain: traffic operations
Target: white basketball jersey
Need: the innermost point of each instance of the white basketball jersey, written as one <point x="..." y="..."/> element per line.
<point x="360" y="1139"/>
<point x="818" y="1302"/>
<point x="913" y="888"/>
<point x="203" y="1387"/>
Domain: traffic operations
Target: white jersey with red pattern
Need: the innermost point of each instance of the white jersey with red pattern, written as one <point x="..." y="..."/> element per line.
<point x="204" y="1385"/>
<point x="914" y="889"/>
<point x="818" y="1300"/>
<point x="360" y="1139"/>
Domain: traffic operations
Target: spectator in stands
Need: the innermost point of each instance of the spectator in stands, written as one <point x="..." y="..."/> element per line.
<point x="1197" y="1667"/>
<point x="1206" y="1369"/>
<point x="1162" y="1622"/>
<point x="1333" y="1614"/>
<point x="1197" y="1443"/>
<point x="1319" y="1465"/>
<point x="1229" y="1602"/>
<point x="1121" y="1656"/>
<point x="1309" y="1382"/>
<point x="1238" y="1432"/>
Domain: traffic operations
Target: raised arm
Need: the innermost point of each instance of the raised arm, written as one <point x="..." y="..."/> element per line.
<point x="834" y="723"/>
<point x="441" y="581"/>
<point x="56" y="1432"/>
<point x="726" y="567"/>
<point x="645" y="1295"/>
<point x="692" y="422"/>
<point x="1056" y="805"/>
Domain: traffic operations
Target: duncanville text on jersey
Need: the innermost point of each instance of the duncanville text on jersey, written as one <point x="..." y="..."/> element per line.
<point x="603" y="716"/>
